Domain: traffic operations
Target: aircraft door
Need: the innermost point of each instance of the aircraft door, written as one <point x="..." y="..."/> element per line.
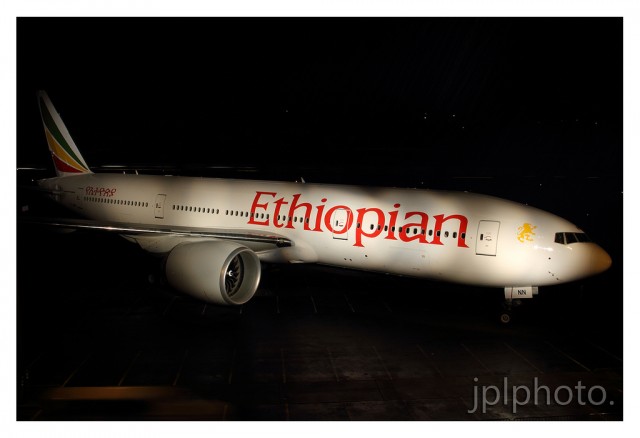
<point x="339" y="223"/>
<point x="160" y="206"/>
<point x="487" y="241"/>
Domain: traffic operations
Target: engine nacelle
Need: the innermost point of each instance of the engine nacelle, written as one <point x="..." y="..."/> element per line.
<point x="218" y="272"/>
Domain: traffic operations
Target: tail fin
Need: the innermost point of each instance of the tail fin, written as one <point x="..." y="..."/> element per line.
<point x="66" y="156"/>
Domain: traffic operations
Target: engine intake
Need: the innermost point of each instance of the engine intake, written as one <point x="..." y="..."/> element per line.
<point x="218" y="272"/>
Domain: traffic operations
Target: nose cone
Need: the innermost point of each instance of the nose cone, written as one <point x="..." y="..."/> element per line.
<point x="582" y="260"/>
<point x="599" y="260"/>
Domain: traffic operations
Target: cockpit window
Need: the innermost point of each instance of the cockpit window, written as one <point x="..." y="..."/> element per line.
<point x="568" y="238"/>
<point x="582" y="237"/>
<point x="571" y="238"/>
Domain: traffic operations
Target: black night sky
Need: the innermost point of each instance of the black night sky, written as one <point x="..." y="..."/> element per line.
<point x="441" y="97"/>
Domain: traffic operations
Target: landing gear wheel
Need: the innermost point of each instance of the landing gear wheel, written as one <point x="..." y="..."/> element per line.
<point x="505" y="318"/>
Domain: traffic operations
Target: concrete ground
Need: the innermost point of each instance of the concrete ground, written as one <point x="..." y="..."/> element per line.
<point x="97" y="341"/>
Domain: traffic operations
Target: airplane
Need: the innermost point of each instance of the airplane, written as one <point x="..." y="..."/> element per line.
<point x="214" y="234"/>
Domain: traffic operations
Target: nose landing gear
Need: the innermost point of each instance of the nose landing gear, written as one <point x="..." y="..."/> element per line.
<point x="507" y="309"/>
<point x="513" y="298"/>
<point x="505" y="316"/>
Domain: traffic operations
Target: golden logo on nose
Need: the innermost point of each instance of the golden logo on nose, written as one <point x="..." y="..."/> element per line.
<point x="525" y="232"/>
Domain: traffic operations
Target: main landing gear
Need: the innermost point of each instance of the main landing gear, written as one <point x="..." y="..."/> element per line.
<point x="513" y="298"/>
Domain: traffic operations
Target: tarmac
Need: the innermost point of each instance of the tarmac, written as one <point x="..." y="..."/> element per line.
<point x="98" y="341"/>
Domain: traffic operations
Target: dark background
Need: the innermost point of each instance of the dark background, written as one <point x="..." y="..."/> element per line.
<point x="529" y="109"/>
<point x="441" y="96"/>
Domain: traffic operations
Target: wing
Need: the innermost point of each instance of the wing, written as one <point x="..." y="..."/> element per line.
<point x="142" y="230"/>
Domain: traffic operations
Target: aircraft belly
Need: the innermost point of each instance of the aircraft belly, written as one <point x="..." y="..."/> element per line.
<point x="408" y="261"/>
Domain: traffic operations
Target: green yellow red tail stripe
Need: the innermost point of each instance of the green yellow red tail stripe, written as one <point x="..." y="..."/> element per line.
<point x="66" y="156"/>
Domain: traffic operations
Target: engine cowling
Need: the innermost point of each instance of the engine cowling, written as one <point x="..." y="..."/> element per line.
<point x="218" y="272"/>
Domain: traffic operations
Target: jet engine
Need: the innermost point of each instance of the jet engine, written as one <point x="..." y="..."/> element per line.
<point x="219" y="272"/>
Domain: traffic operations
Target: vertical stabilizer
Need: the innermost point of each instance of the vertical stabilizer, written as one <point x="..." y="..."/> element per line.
<point x="64" y="152"/>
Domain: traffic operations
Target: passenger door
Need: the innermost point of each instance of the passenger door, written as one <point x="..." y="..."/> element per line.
<point x="160" y="206"/>
<point x="487" y="241"/>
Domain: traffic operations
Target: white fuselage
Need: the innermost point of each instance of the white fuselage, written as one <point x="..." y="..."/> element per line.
<point x="450" y="236"/>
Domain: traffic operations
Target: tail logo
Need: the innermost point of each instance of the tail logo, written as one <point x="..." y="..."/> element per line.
<point x="65" y="155"/>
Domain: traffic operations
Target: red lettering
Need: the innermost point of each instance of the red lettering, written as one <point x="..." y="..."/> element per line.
<point x="279" y="203"/>
<point x="340" y="218"/>
<point x="440" y="219"/>
<point x="106" y="192"/>
<point x="422" y="225"/>
<point x="255" y="205"/>
<point x="295" y="206"/>
<point x="320" y="209"/>
<point x="377" y="228"/>
<point x="328" y="218"/>
<point x="393" y="217"/>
